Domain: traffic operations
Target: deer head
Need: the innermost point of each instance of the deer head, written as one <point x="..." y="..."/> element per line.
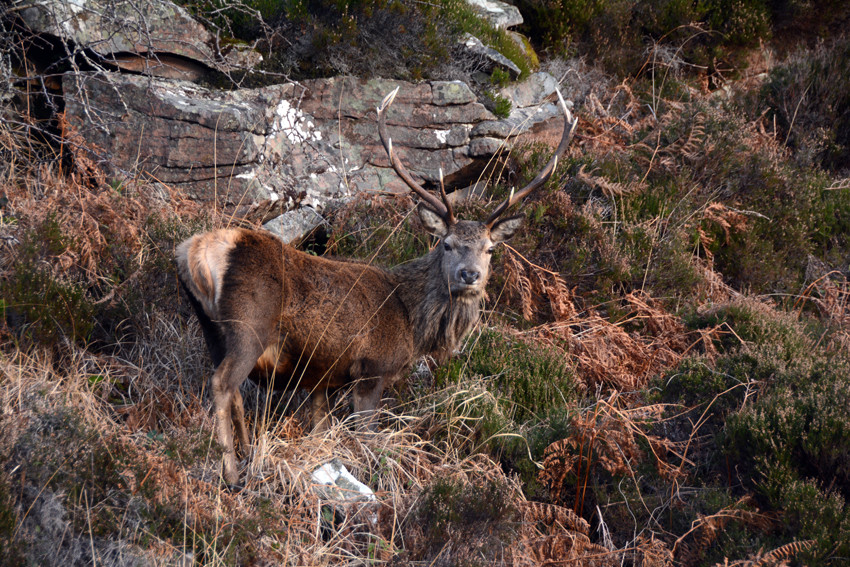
<point x="466" y="246"/>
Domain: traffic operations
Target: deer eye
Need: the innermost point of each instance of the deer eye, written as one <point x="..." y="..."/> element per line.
<point x="447" y="247"/>
<point x="491" y="249"/>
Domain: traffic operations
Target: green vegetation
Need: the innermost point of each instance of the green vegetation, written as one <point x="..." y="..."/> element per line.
<point x="499" y="105"/>
<point x="37" y="298"/>
<point x="529" y="381"/>
<point x="451" y="514"/>
<point x="710" y="34"/>
<point x="366" y="38"/>
<point x="808" y="98"/>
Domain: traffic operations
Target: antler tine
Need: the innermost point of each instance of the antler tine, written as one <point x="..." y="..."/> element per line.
<point x="449" y="212"/>
<point x="570" y="124"/>
<point x="441" y="208"/>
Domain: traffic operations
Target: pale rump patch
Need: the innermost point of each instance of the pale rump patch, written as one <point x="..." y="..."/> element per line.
<point x="202" y="261"/>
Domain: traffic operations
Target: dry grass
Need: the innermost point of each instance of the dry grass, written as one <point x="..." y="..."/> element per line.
<point x="398" y="464"/>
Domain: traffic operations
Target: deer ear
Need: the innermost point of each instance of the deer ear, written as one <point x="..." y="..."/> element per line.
<point x="434" y="223"/>
<point x="505" y="228"/>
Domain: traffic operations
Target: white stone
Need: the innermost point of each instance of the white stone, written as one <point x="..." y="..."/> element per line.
<point x="532" y="91"/>
<point x="294" y="225"/>
<point x="335" y="474"/>
<point x="499" y="14"/>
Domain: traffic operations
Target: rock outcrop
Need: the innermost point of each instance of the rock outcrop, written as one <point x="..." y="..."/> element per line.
<point x="155" y="37"/>
<point x="287" y="150"/>
<point x="306" y="143"/>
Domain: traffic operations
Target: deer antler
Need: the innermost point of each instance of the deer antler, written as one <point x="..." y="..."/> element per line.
<point x="515" y="197"/>
<point x="442" y="208"/>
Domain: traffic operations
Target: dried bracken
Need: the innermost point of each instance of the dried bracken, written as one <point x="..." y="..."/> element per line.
<point x="779" y="557"/>
<point x="607" y="435"/>
<point x="727" y="219"/>
<point x="605" y="353"/>
<point x="553" y="535"/>
<point x="653" y="552"/>
<point x="610" y="189"/>
<point x="690" y="547"/>
<point x="531" y="284"/>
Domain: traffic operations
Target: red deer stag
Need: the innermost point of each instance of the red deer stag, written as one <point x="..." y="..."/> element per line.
<point x="268" y="310"/>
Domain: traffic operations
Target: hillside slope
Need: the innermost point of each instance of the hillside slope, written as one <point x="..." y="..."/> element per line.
<point x="661" y="375"/>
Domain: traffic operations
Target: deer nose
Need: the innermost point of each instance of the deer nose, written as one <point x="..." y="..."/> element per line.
<point x="469" y="277"/>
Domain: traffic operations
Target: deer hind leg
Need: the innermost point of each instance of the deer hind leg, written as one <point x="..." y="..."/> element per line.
<point x="225" y="386"/>
<point x="367" y="396"/>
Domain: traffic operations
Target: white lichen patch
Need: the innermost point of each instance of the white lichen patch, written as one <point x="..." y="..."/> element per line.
<point x="487" y="6"/>
<point x="442" y="135"/>
<point x="294" y="124"/>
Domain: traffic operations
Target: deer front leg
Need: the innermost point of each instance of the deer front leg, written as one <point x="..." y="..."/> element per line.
<point x="367" y="396"/>
<point x="238" y="417"/>
<point x="223" y="399"/>
<point x="225" y="386"/>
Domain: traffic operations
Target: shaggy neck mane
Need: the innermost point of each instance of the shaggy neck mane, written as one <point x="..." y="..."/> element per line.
<point x="440" y="320"/>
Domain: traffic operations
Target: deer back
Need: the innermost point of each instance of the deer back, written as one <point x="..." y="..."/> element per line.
<point x="318" y="320"/>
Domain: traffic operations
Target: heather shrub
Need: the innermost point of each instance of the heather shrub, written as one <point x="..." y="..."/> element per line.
<point x="455" y="523"/>
<point x="791" y="446"/>
<point x="366" y="38"/>
<point x="809" y="96"/>
<point x="529" y="380"/>
<point x="618" y="33"/>
<point x="39" y="300"/>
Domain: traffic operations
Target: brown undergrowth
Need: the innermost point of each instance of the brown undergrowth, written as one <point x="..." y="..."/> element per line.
<point x="604" y="352"/>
